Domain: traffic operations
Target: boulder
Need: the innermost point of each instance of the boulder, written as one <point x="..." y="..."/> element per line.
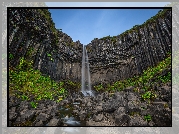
<point x="122" y="120"/>
<point x="54" y="122"/>
<point x="98" y="117"/>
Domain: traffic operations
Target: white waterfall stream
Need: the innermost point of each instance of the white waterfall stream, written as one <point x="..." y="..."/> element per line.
<point x="85" y="71"/>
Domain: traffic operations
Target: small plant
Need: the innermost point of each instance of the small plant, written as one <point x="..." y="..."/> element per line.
<point x="136" y="89"/>
<point x="33" y="104"/>
<point x="149" y="95"/>
<point x="49" y="55"/>
<point x="98" y="87"/>
<point x="62" y="90"/>
<point x="61" y="83"/>
<point x="166" y="105"/>
<point x="148" y="117"/>
<point x="24" y="97"/>
<point x="11" y="56"/>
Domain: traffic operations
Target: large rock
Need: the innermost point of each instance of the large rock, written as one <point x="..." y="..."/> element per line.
<point x="42" y="117"/>
<point x="98" y="117"/>
<point x="54" y="122"/>
<point x="122" y="120"/>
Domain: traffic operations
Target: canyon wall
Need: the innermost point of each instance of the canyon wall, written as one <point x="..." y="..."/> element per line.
<point x="128" y="54"/>
<point x="32" y="35"/>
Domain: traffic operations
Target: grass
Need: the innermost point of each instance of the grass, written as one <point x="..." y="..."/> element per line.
<point x="145" y="81"/>
<point x="31" y="83"/>
<point x="148" y="95"/>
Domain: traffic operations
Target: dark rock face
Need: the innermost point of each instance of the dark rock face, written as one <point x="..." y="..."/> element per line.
<point x="129" y="54"/>
<point x="32" y="35"/>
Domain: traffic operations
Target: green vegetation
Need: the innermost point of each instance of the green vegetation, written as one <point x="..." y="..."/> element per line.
<point x="29" y="52"/>
<point x="11" y="56"/>
<point x="47" y="15"/>
<point x="113" y="38"/>
<point x="33" y="104"/>
<point x="74" y="86"/>
<point x="144" y="81"/>
<point x="149" y="95"/>
<point x="148" y="117"/>
<point x="24" y="97"/>
<point x="135" y="28"/>
<point x="99" y="87"/>
<point x="31" y="83"/>
<point x="153" y="19"/>
<point x="50" y="56"/>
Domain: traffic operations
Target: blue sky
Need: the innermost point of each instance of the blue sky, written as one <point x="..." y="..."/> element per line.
<point x="86" y="24"/>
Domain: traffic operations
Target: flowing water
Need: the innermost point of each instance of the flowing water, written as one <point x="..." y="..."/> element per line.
<point x="66" y="116"/>
<point x="85" y="79"/>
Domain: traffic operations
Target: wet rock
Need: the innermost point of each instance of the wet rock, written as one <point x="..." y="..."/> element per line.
<point x="86" y="100"/>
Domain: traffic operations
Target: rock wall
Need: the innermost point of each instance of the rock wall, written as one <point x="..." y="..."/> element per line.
<point x="32" y="35"/>
<point x="128" y="54"/>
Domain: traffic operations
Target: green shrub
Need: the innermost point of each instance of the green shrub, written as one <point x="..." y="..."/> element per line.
<point x="147" y="117"/>
<point x="148" y="95"/>
<point x="33" y="104"/>
<point x="142" y="81"/>
<point x="33" y="83"/>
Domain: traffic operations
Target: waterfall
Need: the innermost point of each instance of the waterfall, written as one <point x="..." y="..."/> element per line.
<point x="85" y="71"/>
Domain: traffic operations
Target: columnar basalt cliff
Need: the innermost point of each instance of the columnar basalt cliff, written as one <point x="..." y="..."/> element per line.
<point x="137" y="102"/>
<point x="32" y="35"/>
<point x="126" y="55"/>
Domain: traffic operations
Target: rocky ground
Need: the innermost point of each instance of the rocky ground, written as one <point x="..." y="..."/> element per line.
<point x="124" y="108"/>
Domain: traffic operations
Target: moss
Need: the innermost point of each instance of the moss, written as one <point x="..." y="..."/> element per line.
<point x="30" y="82"/>
<point x="141" y="81"/>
